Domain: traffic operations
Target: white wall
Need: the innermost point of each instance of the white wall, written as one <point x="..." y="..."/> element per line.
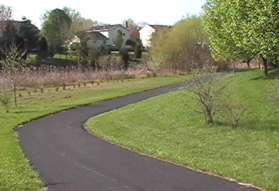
<point x="146" y="34"/>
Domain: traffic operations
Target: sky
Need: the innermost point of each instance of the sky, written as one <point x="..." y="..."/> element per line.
<point x="110" y="11"/>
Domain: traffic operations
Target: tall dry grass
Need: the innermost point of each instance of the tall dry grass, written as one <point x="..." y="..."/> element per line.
<point x="52" y="77"/>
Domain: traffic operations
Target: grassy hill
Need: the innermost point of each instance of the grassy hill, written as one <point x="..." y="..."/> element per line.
<point x="168" y="128"/>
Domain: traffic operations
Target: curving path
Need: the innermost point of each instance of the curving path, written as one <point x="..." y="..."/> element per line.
<point x="68" y="158"/>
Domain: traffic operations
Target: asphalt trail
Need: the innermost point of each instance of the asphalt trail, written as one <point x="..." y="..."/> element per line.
<point x="68" y="158"/>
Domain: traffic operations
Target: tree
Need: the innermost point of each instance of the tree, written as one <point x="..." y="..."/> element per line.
<point x="12" y="63"/>
<point x="78" y="22"/>
<point x="5" y="15"/>
<point x="243" y="29"/>
<point x="138" y="49"/>
<point x="183" y="47"/>
<point x="30" y="33"/>
<point x="56" y="28"/>
<point x="124" y="53"/>
<point x="43" y="48"/>
<point x="119" y="40"/>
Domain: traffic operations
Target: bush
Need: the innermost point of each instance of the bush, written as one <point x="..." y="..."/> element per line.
<point x="233" y="111"/>
<point x="5" y="101"/>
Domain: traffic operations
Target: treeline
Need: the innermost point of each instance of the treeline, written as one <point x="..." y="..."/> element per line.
<point x="59" y="26"/>
<point x="229" y="30"/>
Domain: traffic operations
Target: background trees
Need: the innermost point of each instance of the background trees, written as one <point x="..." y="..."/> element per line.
<point x="78" y="22"/>
<point x="243" y="29"/>
<point x="56" y="28"/>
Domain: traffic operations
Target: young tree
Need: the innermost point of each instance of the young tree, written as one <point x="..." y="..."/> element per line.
<point x="56" y="28"/>
<point x="5" y="15"/>
<point x="12" y="63"/>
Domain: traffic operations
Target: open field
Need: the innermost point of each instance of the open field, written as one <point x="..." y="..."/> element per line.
<point x="15" y="170"/>
<point x="168" y="128"/>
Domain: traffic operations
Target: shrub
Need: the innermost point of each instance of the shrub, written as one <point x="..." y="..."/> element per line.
<point x="233" y="111"/>
<point x="5" y="100"/>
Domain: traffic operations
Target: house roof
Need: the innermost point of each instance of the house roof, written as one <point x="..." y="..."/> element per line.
<point x="104" y="28"/>
<point x="160" y="27"/>
<point x="96" y="35"/>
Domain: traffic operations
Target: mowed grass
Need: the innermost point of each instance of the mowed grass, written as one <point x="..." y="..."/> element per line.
<point x="168" y="128"/>
<point x="16" y="173"/>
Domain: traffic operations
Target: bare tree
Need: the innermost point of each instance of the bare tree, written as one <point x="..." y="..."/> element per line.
<point x="207" y="91"/>
<point x="12" y="63"/>
<point x="5" y="15"/>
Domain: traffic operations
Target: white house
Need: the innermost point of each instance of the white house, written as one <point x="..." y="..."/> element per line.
<point x="111" y="32"/>
<point x="96" y="40"/>
<point x="148" y="31"/>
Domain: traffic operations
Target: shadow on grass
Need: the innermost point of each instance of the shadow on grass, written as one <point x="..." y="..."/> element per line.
<point x="23" y="111"/>
<point x="58" y="62"/>
<point x="264" y="125"/>
<point x="273" y="75"/>
<point x="253" y="125"/>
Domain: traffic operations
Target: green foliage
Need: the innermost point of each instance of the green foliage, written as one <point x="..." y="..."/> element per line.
<point x="43" y="48"/>
<point x="56" y="28"/>
<point x="138" y="49"/>
<point x="119" y="40"/>
<point x="243" y="29"/>
<point x="124" y="54"/>
<point x="5" y="101"/>
<point x="79" y="23"/>
<point x="182" y="47"/>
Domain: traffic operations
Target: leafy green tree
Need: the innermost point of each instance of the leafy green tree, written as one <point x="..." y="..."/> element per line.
<point x="243" y="29"/>
<point x="12" y="63"/>
<point x="56" y="28"/>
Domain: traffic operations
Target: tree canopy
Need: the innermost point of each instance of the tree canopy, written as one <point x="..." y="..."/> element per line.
<point x="79" y="23"/>
<point x="241" y="29"/>
<point x="56" y="28"/>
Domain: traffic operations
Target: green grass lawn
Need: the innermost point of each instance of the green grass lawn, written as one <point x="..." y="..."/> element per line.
<point x="167" y="127"/>
<point x="16" y="174"/>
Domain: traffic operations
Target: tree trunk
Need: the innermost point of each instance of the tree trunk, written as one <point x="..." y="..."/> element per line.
<point x="265" y="65"/>
<point x="15" y="97"/>
<point x="248" y="61"/>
